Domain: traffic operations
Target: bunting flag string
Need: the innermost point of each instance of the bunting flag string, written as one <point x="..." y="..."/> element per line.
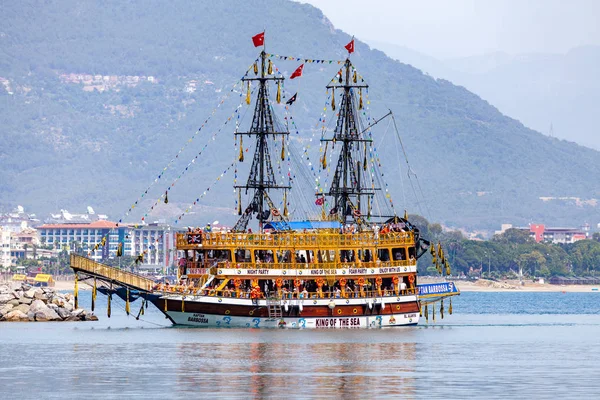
<point x="204" y="193"/>
<point x="193" y="161"/>
<point x="374" y="157"/>
<point x="305" y="60"/>
<point x="213" y="112"/>
<point x="176" y="157"/>
<point x="305" y="156"/>
<point x="187" y="210"/>
<point x="284" y="153"/>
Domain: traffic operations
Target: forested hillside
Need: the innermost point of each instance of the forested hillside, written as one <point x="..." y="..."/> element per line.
<point x="69" y="140"/>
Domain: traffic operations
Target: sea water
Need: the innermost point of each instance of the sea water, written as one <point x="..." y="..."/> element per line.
<point x="495" y="345"/>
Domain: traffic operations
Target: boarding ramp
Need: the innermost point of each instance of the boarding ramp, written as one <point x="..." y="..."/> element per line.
<point x="111" y="275"/>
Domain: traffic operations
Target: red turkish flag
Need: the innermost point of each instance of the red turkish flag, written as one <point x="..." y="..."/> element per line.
<point x="297" y="72"/>
<point x="350" y="46"/>
<point x="319" y="201"/>
<point x="259" y="39"/>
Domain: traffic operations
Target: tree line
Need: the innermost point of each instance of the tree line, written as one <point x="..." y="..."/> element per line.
<point x="509" y="254"/>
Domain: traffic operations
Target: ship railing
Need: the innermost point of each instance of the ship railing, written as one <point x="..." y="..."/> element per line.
<point x="292" y="240"/>
<point x="284" y="295"/>
<point x="80" y="263"/>
<point x="192" y="265"/>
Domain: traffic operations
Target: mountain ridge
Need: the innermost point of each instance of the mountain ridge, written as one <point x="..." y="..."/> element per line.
<point x="551" y="93"/>
<point x="465" y="146"/>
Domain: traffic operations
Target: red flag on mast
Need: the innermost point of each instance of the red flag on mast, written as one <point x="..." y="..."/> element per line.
<point x="350" y="46"/>
<point x="297" y="72"/>
<point x="259" y="39"/>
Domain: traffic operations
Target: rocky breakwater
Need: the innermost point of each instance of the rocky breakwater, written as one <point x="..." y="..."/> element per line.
<point x="21" y="302"/>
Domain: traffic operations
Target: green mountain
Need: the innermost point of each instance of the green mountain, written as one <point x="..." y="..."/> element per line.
<point x="97" y="97"/>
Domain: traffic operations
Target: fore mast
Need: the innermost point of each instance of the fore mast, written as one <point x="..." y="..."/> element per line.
<point x="261" y="179"/>
<point x="348" y="190"/>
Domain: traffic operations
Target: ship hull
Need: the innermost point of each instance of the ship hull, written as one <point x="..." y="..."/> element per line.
<point x="226" y="321"/>
<point x="213" y="312"/>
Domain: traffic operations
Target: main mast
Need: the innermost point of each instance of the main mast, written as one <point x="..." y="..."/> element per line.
<point x="262" y="177"/>
<point x="347" y="189"/>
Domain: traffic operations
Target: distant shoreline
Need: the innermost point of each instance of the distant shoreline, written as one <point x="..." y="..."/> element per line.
<point x="483" y="285"/>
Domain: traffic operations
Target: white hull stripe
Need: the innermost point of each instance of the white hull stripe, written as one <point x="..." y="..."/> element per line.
<point x="215" y="321"/>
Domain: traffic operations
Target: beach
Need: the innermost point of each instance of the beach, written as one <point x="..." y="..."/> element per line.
<point x="483" y="285"/>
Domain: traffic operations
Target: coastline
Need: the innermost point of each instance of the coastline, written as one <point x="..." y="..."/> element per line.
<point x="481" y="285"/>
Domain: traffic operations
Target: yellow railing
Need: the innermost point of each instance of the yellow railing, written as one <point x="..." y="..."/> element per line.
<point x="290" y="240"/>
<point x="245" y="294"/>
<point x="80" y="263"/>
<point x="299" y="265"/>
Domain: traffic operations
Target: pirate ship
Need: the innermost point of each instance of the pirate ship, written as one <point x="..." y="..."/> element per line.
<point x="353" y="267"/>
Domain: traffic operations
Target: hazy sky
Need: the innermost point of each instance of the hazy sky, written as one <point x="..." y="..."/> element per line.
<point x="457" y="28"/>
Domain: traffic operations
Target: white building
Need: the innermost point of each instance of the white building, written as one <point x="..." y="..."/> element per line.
<point x="5" y="259"/>
<point x="155" y="241"/>
<point x="70" y="236"/>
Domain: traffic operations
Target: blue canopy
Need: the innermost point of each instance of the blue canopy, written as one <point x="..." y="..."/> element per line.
<point x="299" y="225"/>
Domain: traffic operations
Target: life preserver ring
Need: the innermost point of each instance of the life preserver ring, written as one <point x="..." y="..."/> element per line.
<point x="343" y="282"/>
<point x="278" y="282"/>
<point x="296" y="282"/>
<point x="237" y="282"/>
<point x="356" y="213"/>
<point x="361" y="281"/>
<point x="275" y="212"/>
<point x="411" y="278"/>
<point x="378" y="281"/>
<point x="395" y="279"/>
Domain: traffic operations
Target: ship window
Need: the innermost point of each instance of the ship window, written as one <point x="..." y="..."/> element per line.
<point x="383" y="254"/>
<point x="346" y="255"/>
<point x="399" y="253"/>
<point x="304" y="256"/>
<point x="218" y="255"/>
<point x="326" y="256"/>
<point x="411" y="252"/>
<point x="284" y="256"/>
<point x="263" y="256"/>
<point x="242" y="256"/>
<point x="365" y="255"/>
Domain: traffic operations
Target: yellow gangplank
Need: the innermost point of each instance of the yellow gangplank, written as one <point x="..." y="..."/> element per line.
<point x="110" y="274"/>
